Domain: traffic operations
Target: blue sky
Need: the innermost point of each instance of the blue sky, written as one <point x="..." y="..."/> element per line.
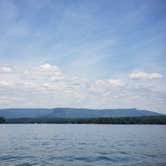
<point x="112" y="46"/>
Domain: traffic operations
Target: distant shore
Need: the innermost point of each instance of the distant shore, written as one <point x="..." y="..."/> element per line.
<point x="119" y="120"/>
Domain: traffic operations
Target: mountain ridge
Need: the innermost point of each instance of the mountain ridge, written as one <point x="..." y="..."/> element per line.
<point x="69" y="112"/>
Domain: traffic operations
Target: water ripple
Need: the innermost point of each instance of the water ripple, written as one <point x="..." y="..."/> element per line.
<point x="82" y="145"/>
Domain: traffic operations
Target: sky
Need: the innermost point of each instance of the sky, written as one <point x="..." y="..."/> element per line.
<point x="82" y="53"/>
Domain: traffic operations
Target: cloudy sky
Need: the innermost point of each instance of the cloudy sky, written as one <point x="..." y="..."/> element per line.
<point x="82" y="53"/>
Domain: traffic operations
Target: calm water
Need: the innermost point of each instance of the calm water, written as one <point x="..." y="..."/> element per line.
<point x="85" y="145"/>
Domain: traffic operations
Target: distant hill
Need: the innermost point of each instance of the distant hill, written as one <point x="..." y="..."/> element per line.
<point x="73" y="113"/>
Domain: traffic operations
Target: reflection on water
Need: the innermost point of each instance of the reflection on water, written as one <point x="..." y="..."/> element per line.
<point x="85" y="145"/>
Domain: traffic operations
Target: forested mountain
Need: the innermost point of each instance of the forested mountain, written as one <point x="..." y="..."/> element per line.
<point x="73" y="113"/>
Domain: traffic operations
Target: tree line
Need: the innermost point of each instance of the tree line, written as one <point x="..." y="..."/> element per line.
<point x="113" y="120"/>
<point x="2" y="120"/>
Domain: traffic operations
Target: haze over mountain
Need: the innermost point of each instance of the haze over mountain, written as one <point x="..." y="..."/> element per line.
<point x="73" y="113"/>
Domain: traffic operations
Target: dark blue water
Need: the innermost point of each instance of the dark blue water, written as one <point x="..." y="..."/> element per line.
<point x="85" y="145"/>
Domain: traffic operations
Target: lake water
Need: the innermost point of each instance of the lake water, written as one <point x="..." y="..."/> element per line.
<point x="82" y="145"/>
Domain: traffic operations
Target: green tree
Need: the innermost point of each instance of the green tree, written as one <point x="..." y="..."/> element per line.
<point x="2" y="120"/>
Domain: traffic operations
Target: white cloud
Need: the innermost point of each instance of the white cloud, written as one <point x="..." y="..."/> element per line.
<point x="53" y="72"/>
<point x="116" y="82"/>
<point x="57" y="78"/>
<point x="44" y="72"/>
<point x="144" y="75"/>
<point x="5" y="83"/>
<point x="110" y="83"/>
<point x="48" y="68"/>
<point x="5" y="69"/>
<point x="104" y="86"/>
<point x="47" y="86"/>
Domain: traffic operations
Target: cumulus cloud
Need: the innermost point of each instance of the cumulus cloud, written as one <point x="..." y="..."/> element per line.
<point x="104" y="86"/>
<point x="49" y="68"/>
<point x="44" y="72"/>
<point x="116" y="82"/>
<point x="110" y="82"/>
<point x="47" y="86"/>
<point x="5" y="69"/>
<point x="5" y="83"/>
<point x="144" y="75"/>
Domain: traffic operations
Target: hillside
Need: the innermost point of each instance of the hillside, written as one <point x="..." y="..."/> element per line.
<point x="73" y="113"/>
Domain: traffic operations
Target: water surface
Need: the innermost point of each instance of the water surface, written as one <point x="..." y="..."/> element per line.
<point x="82" y="145"/>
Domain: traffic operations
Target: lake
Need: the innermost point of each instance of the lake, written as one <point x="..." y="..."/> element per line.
<point x="82" y="145"/>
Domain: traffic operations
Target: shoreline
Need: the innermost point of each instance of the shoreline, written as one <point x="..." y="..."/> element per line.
<point x="149" y="120"/>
